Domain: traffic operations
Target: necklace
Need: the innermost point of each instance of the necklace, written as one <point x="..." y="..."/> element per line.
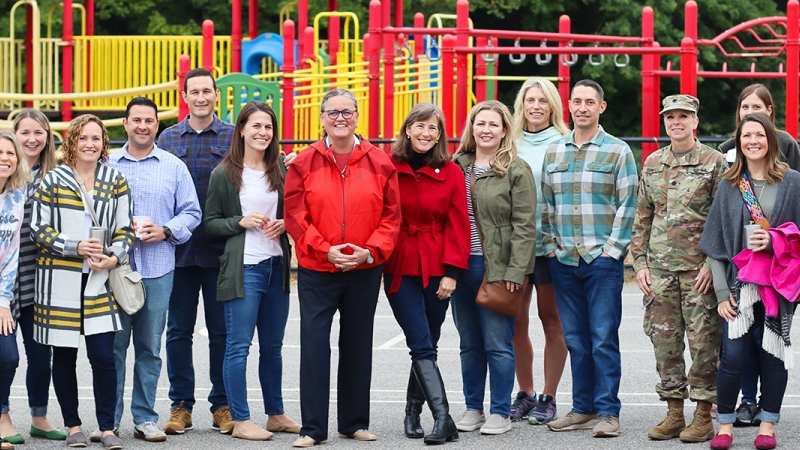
<point x="341" y="171"/>
<point x="762" y="186"/>
<point x="82" y="180"/>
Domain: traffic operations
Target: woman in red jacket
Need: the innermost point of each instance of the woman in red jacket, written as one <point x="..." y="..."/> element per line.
<point x="342" y="209"/>
<point x="431" y="251"/>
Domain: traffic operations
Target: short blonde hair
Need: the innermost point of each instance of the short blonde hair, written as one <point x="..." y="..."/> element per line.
<point x="70" y="146"/>
<point x="550" y="92"/>
<point x="508" y="149"/>
<point x="23" y="173"/>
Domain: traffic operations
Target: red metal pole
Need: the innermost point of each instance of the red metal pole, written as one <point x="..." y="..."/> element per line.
<point x="236" y="36"/>
<point x="792" y="66"/>
<point x="308" y="36"/>
<point x="208" y="46"/>
<point x="386" y="13"/>
<point x="462" y="69"/>
<point x="448" y="83"/>
<point x="252" y="19"/>
<point x="689" y="50"/>
<point x="333" y="40"/>
<point x="480" y="71"/>
<point x="302" y="23"/>
<point x="29" y="52"/>
<point x="66" y="62"/>
<point x="287" y="84"/>
<point x="89" y="32"/>
<point x="374" y="67"/>
<point x="398" y="13"/>
<point x="649" y="94"/>
<point x="184" y="66"/>
<point x="388" y="86"/>
<point x="563" y="70"/>
<point x="419" y="38"/>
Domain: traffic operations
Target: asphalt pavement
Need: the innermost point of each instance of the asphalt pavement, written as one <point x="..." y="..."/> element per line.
<point x="641" y="408"/>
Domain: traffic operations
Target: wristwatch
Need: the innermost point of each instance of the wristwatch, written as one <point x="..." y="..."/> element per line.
<point x="370" y="259"/>
<point x="167" y="233"/>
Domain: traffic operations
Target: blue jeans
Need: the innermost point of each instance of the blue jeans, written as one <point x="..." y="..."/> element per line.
<point x="265" y="306"/>
<point x="751" y="373"/>
<point x="486" y="339"/>
<point x="181" y="320"/>
<point x="419" y="312"/>
<point x="9" y="360"/>
<point x="37" y="379"/>
<point x="147" y="328"/>
<point x="589" y="301"/>
<point x="733" y="362"/>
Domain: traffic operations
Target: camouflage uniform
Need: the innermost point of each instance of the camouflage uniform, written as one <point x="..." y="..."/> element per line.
<point x="675" y="195"/>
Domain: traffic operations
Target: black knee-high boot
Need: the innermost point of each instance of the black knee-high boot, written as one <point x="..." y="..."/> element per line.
<point x="414" y="402"/>
<point x="444" y="429"/>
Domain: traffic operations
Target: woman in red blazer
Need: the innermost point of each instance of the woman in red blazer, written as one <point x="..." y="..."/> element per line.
<point x="431" y="251"/>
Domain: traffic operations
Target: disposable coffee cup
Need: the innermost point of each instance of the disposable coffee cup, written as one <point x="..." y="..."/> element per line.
<point x="138" y="221"/>
<point x="101" y="234"/>
<point x="748" y="231"/>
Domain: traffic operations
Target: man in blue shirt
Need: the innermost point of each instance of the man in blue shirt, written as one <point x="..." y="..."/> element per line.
<point x="162" y="189"/>
<point x="201" y="140"/>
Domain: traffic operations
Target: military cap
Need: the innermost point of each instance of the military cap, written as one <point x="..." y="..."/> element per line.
<point x="683" y="102"/>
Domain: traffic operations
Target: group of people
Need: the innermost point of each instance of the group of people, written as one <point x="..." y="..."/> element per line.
<point x="524" y="203"/>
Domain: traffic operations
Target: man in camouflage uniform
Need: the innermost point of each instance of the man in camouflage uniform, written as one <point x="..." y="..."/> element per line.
<point x="675" y="193"/>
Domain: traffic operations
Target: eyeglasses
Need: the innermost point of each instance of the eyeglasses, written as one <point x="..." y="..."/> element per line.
<point x="347" y="114"/>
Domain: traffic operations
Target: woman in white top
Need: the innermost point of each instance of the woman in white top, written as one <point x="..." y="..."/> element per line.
<point x="245" y="203"/>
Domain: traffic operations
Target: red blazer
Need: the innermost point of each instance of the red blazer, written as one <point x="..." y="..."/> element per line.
<point x="323" y="208"/>
<point x="435" y="228"/>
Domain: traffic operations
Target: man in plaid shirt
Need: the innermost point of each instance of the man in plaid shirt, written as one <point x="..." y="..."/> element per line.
<point x="201" y="140"/>
<point x="589" y="184"/>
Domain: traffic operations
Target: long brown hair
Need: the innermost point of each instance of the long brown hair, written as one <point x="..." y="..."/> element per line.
<point x="507" y="152"/>
<point x="437" y="156"/>
<point x="74" y="130"/>
<point x="234" y="160"/>
<point x="775" y="169"/>
<point x="762" y="93"/>
<point x="47" y="158"/>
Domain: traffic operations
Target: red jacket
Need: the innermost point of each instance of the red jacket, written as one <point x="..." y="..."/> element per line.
<point x="435" y="228"/>
<point x="323" y="208"/>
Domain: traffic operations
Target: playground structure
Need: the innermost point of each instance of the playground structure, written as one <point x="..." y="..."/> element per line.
<point x="389" y="68"/>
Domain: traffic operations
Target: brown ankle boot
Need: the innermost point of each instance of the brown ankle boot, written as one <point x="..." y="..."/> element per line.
<point x="701" y="429"/>
<point x="671" y="426"/>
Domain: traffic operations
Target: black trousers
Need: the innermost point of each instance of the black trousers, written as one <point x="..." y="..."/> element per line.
<point x="355" y="295"/>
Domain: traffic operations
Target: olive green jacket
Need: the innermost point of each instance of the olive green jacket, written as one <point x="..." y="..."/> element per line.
<point x="223" y="211"/>
<point x="506" y="213"/>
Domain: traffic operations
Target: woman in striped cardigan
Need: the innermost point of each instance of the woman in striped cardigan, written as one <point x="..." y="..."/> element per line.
<point x="73" y="297"/>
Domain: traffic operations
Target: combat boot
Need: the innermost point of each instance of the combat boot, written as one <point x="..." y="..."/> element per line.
<point x="701" y="429"/>
<point x="671" y="426"/>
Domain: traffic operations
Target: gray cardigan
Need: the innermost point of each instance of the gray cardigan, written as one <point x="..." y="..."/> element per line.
<point x="723" y="235"/>
<point x="223" y="212"/>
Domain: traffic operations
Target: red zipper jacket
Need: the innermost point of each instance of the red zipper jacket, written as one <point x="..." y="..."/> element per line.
<point x="323" y="207"/>
<point x="435" y="229"/>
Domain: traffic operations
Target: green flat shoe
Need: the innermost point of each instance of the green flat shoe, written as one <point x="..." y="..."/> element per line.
<point x="53" y="435"/>
<point x="15" y="439"/>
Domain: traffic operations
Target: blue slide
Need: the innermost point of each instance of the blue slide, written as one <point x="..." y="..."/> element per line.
<point x="267" y="44"/>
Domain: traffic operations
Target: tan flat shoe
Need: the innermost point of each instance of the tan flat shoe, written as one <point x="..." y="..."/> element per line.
<point x="307" y="441"/>
<point x="277" y="428"/>
<point x="360" y="435"/>
<point x="259" y="435"/>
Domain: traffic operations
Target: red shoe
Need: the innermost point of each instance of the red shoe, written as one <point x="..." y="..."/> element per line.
<point x="766" y="442"/>
<point x="722" y="442"/>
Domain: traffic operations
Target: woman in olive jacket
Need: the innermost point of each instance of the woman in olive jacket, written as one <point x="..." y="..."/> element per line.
<point x="245" y="203"/>
<point x="503" y="241"/>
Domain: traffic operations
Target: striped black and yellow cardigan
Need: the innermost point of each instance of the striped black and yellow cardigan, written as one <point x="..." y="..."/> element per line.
<point x="58" y="224"/>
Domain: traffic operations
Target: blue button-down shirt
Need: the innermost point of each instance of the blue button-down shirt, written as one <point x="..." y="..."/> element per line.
<point x="162" y="188"/>
<point x="201" y="151"/>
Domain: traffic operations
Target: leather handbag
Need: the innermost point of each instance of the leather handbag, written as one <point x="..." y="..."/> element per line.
<point x="126" y="284"/>
<point x="495" y="296"/>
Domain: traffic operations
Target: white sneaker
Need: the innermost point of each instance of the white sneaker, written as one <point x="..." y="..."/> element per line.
<point x="97" y="435"/>
<point x="496" y="424"/>
<point x="471" y="420"/>
<point x="150" y="432"/>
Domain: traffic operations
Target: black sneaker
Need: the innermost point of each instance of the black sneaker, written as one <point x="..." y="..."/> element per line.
<point x="522" y="406"/>
<point x="745" y="414"/>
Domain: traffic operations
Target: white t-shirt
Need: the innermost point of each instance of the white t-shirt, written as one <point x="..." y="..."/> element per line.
<point x="88" y="223"/>
<point x="256" y="196"/>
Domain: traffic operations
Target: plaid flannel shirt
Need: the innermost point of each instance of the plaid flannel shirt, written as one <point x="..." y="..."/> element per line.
<point x="590" y="198"/>
<point x="201" y="151"/>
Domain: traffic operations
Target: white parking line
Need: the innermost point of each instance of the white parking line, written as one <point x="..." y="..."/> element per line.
<point x="390" y="343"/>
